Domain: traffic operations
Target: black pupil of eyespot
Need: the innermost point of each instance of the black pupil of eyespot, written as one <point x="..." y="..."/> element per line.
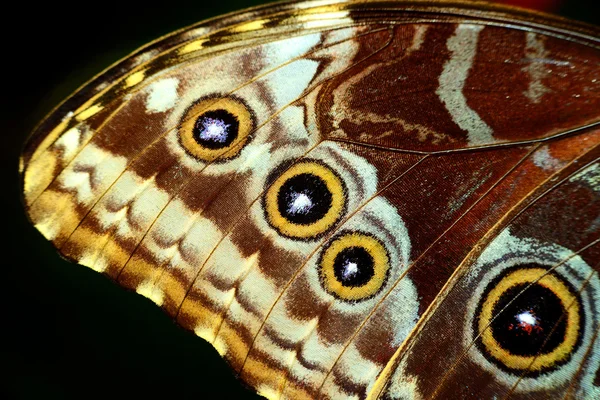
<point x="533" y="322"/>
<point x="216" y="129"/>
<point x="304" y="199"/>
<point x="354" y="266"/>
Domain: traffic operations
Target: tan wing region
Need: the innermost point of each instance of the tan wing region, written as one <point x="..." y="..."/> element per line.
<point x="319" y="191"/>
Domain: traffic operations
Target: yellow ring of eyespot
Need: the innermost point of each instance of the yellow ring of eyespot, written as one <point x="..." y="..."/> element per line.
<point x="381" y="266"/>
<point x="568" y="300"/>
<point x="233" y="106"/>
<point x="308" y="231"/>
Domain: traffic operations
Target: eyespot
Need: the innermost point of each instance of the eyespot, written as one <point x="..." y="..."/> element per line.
<point x="530" y="320"/>
<point x="354" y="266"/>
<point x="305" y="201"/>
<point x="216" y="128"/>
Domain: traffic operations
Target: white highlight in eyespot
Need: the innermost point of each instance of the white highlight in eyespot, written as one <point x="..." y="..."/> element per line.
<point x="162" y="95"/>
<point x="527" y="318"/>
<point x="463" y="46"/>
<point x="350" y="270"/>
<point x="214" y="130"/>
<point x="300" y="203"/>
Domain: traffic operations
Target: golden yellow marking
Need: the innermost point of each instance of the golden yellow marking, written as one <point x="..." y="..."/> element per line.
<point x="39" y="175"/>
<point x="196" y="311"/>
<point x="292" y="391"/>
<point x="192" y="47"/>
<point x="140" y="269"/>
<point x="114" y="255"/>
<point x="200" y="314"/>
<point x="250" y="26"/>
<point x="173" y="288"/>
<point x="323" y="20"/>
<point x="381" y="266"/>
<point x="229" y="104"/>
<point x="271" y="380"/>
<point x="53" y="214"/>
<point x="135" y="78"/>
<point x="338" y="201"/>
<point x="568" y="300"/>
<point x="213" y="323"/>
<point x="230" y="343"/>
<point x="89" y="112"/>
<point x="79" y="248"/>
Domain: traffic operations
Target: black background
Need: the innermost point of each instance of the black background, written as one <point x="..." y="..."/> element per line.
<point x="69" y="332"/>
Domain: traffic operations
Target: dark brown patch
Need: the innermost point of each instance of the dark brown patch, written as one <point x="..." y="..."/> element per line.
<point x="374" y="342"/>
<point x="336" y="327"/>
<point x="276" y="263"/>
<point x="231" y="203"/>
<point x="204" y="192"/>
<point x="131" y="129"/>
<point x="300" y="301"/>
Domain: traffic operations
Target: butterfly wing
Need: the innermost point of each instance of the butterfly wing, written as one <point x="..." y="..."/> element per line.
<point x="520" y="315"/>
<point x="304" y="185"/>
